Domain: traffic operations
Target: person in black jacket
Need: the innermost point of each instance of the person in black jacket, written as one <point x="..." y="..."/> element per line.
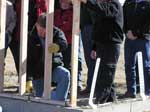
<point x="137" y="30"/>
<point x="35" y="62"/>
<point x="107" y="35"/>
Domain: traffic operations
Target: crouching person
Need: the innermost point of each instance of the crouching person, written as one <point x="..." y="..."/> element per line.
<point x="35" y="62"/>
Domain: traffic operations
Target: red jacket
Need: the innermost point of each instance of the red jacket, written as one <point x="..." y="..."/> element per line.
<point x="41" y="6"/>
<point x="63" y="20"/>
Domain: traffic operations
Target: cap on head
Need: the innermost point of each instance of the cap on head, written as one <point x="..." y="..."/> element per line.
<point x="42" y="20"/>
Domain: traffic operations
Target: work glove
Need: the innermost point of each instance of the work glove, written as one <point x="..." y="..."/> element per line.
<point x="53" y="48"/>
<point x="29" y="87"/>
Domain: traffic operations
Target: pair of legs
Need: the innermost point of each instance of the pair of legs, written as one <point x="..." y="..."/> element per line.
<point x="87" y="45"/>
<point x="131" y="49"/>
<point x="61" y="76"/>
<point x="109" y="54"/>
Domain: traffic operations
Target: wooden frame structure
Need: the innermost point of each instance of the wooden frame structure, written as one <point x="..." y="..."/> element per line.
<point x="2" y="41"/>
<point x="48" y="56"/>
<point x="74" y="54"/>
<point x="23" y="46"/>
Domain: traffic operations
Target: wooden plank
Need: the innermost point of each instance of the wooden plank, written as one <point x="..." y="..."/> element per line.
<point x="23" y="46"/>
<point x="74" y="54"/>
<point x="48" y="56"/>
<point x="2" y="41"/>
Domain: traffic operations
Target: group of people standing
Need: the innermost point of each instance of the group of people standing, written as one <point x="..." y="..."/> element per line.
<point x="102" y="25"/>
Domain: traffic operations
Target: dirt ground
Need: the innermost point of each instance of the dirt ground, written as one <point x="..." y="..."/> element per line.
<point x="11" y="78"/>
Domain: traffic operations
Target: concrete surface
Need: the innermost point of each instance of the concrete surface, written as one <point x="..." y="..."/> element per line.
<point x="24" y="104"/>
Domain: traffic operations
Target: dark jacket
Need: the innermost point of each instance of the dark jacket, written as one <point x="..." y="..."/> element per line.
<point x="35" y="59"/>
<point x="108" y="21"/>
<point x="137" y="17"/>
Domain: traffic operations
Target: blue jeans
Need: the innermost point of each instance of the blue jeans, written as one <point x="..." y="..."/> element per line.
<point x="61" y="76"/>
<point x="87" y="45"/>
<point x="131" y="49"/>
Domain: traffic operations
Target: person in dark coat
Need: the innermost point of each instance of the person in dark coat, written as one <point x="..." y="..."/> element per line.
<point x="107" y="35"/>
<point x="35" y="62"/>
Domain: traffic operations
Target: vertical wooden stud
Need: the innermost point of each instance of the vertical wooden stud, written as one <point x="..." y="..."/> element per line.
<point x="48" y="56"/>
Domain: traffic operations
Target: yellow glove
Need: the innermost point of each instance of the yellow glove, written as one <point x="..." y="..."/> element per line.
<point x="29" y="87"/>
<point x="53" y="48"/>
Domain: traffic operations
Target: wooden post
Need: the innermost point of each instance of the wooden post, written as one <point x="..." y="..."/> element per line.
<point x="48" y="56"/>
<point x="74" y="55"/>
<point x="23" y="46"/>
<point x="2" y="41"/>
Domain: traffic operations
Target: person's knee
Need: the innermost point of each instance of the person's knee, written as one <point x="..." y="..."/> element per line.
<point x="66" y="75"/>
<point x="108" y="72"/>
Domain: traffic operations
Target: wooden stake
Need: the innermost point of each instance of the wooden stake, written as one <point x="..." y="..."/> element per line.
<point x="48" y="56"/>
<point x="23" y="46"/>
<point x="74" y="55"/>
<point x="2" y="41"/>
<point x="94" y="84"/>
<point x="141" y="75"/>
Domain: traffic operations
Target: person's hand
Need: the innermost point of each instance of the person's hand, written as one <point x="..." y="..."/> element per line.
<point x="53" y="48"/>
<point x="130" y="35"/>
<point x="93" y="54"/>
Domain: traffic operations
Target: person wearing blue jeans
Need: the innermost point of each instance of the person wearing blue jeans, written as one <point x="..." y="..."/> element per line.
<point x="131" y="49"/>
<point x="137" y="30"/>
<point x="61" y="76"/>
<point x="35" y="61"/>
